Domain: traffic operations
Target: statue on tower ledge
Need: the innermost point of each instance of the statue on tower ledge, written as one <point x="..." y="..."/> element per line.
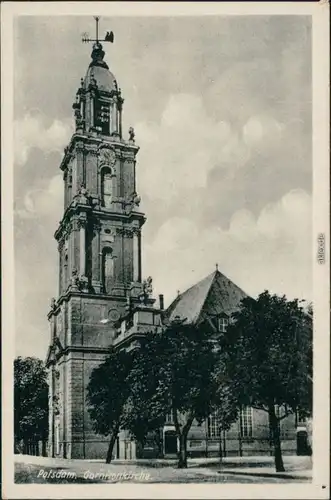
<point x="83" y="195"/>
<point x="147" y="291"/>
<point x="131" y="134"/>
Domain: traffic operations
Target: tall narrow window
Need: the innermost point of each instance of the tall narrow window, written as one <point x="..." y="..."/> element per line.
<point x="108" y="269"/>
<point x="169" y="418"/>
<point x="246" y="422"/>
<point x="223" y="323"/>
<point x="102" y="116"/>
<point x="213" y="425"/>
<point x="57" y="438"/>
<point x="106" y="187"/>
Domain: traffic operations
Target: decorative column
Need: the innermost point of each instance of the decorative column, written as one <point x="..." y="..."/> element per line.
<point x="136" y="266"/>
<point x="69" y="184"/>
<point x="69" y="246"/>
<point x="120" y="107"/>
<point x="92" y="110"/>
<point x="90" y="178"/>
<point x="80" y="166"/>
<point x="110" y="120"/>
<point x="83" y="280"/>
<point x="61" y="266"/>
<point x="114" y="118"/>
<point x="65" y="179"/>
<point x="51" y="437"/>
<point x="82" y="246"/>
<point x="96" y="258"/>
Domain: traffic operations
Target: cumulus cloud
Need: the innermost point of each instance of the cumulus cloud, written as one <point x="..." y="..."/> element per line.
<point x="31" y="132"/>
<point x="271" y="251"/>
<point x="44" y="201"/>
<point x="179" y="151"/>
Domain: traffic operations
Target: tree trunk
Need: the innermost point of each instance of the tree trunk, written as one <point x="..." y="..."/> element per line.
<point x="113" y="437"/>
<point x="182" y="436"/>
<point x="159" y="443"/>
<point x="43" y="449"/>
<point x="182" y="454"/>
<point x="220" y="449"/>
<point x="274" y="425"/>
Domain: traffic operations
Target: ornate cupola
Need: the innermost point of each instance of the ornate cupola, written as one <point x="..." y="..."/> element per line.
<point x="98" y="105"/>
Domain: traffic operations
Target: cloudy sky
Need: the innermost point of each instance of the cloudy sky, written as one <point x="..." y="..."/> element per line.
<point x="221" y="108"/>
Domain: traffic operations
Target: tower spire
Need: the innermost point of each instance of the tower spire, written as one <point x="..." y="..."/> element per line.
<point x="97" y="28"/>
<point x="109" y="36"/>
<point x="97" y="51"/>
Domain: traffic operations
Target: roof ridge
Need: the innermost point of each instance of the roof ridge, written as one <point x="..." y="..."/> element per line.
<point x="208" y="291"/>
<point x="197" y="283"/>
<point x="233" y="283"/>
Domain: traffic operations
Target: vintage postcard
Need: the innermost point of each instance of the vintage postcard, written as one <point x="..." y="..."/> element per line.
<point x="165" y="186"/>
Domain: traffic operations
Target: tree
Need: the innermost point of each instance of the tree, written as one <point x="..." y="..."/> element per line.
<point x="269" y="358"/>
<point x="175" y="372"/>
<point x="139" y="421"/>
<point x="30" y="401"/>
<point x="107" y="395"/>
<point x="227" y="411"/>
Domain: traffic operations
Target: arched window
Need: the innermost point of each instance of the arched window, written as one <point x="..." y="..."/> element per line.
<point x="107" y="269"/>
<point x="106" y="187"/>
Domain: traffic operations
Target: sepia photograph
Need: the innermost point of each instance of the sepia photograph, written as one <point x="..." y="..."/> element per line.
<point x="169" y="265"/>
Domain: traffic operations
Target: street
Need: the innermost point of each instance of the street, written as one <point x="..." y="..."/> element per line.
<point x="30" y="469"/>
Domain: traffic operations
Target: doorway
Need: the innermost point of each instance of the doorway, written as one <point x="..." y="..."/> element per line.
<point x="303" y="447"/>
<point x="170" y="443"/>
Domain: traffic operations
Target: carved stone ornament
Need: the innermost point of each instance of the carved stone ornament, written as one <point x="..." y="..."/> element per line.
<point x="96" y="225"/>
<point x="67" y="228"/>
<point x="125" y="231"/>
<point x="81" y="222"/>
<point x="61" y="244"/>
<point x="83" y="283"/>
<point x="74" y="278"/>
<point x="113" y="315"/>
<point x="107" y="157"/>
<point x="80" y="147"/>
<point x="83" y="196"/>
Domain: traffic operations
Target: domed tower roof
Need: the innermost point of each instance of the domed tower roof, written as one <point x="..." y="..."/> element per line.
<point x="98" y="72"/>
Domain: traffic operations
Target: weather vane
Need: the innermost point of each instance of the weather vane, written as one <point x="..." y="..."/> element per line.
<point x="109" y="37"/>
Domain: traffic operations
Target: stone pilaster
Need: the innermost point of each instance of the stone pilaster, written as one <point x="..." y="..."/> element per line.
<point x="96" y="259"/>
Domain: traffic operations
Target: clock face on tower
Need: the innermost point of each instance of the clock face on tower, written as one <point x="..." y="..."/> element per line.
<point x="107" y="157"/>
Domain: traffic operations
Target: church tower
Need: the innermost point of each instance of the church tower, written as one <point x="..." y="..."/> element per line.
<point x="99" y="247"/>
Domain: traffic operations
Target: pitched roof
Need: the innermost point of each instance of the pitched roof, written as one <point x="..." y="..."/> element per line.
<point x="213" y="295"/>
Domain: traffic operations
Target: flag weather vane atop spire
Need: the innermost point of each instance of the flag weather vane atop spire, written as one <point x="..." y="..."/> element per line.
<point x="109" y="36"/>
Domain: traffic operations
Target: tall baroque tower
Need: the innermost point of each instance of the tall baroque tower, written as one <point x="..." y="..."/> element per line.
<point x="99" y="245"/>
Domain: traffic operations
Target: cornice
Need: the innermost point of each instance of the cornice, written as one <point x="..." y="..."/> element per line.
<point x="75" y="212"/>
<point x="65" y="297"/>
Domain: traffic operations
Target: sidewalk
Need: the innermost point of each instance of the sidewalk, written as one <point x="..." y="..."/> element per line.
<point x="295" y="467"/>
